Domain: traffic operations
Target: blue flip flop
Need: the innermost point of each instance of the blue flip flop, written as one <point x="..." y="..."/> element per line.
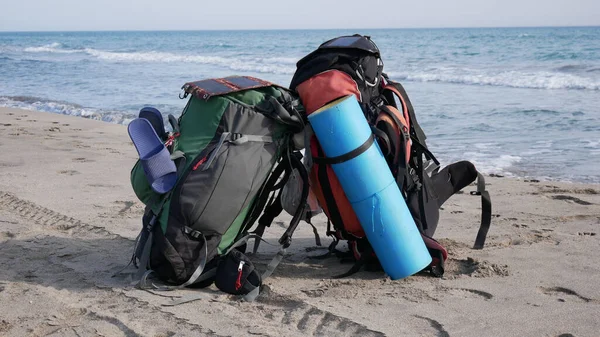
<point x="160" y="170"/>
<point x="156" y="120"/>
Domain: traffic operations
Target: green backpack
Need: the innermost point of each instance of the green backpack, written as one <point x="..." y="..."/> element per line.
<point x="233" y="148"/>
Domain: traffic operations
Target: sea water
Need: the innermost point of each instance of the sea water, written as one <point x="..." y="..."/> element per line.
<point x="521" y="102"/>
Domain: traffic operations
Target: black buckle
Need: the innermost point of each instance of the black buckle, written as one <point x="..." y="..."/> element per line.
<point x="377" y="101"/>
<point x="285" y="240"/>
<point x="192" y="232"/>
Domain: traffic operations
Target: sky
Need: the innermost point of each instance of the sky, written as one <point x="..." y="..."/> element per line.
<point x="77" y="15"/>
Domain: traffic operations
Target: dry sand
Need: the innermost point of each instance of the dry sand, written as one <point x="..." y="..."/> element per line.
<point x="68" y="217"/>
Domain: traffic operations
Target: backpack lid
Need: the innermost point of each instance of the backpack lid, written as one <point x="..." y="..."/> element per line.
<point x="208" y="88"/>
<point x="355" y="41"/>
<point x="344" y="53"/>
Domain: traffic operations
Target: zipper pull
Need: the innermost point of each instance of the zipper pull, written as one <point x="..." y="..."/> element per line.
<point x="238" y="282"/>
<point x="200" y="162"/>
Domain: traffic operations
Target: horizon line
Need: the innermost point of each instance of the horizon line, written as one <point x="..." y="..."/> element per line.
<point x="288" y="29"/>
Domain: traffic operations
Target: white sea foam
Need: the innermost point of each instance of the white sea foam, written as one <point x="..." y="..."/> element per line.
<point x="555" y="79"/>
<point x="488" y="164"/>
<point x="54" y="47"/>
<point x="542" y="144"/>
<point x="591" y="144"/>
<point x="484" y="146"/>
<point x="273" y="65"/>
<point x="515" y="79"/>
<point x="64" y="108"/>
<point x="534" y="152"/>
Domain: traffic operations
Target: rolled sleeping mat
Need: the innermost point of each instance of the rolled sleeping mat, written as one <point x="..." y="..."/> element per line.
<point x="347" y="140"/>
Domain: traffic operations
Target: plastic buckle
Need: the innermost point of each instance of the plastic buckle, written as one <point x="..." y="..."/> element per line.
<point x="377" y="101"/>
<point x="285" y="241"/>
<point x="192" y="232"/>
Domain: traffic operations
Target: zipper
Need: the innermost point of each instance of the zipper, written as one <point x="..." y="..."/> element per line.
<point x="238" y="282"/>
<point x="215" y="151"/>
<point x="210" y="157"/>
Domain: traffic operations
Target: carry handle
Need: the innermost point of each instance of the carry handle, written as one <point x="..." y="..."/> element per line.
<point x="174" y="123"/>
<point x="285" y="113"/>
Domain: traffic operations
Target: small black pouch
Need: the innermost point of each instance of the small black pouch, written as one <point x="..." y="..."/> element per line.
<point x="236" y="274"/>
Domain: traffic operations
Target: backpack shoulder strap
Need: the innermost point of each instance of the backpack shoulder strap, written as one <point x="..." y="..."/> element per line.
<point x="408" y="116"/>
<point x="394" y="88"/>
<point x="486" y="212"/>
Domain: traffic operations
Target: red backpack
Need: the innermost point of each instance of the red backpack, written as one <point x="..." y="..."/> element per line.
<point x="352" y="65"/>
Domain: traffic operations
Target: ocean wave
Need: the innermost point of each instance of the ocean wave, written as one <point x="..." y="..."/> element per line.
<point x="55" y="47"/>
<point x="484" y="160"/>
<point x="591" y="144"/>
<point x="514" y="79"/>
<point x="64" y="108"/>
<point x="493" y="165"/>
<point x="569" y="68"/>
<point x="559" y="55"/>
<point x="273" y="65"/>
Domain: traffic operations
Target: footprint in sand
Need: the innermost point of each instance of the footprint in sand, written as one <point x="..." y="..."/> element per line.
<point x="82" y="160"/>
<point x="126" y="206"/>
<point x="69" y="172"/>
<point x="560" y="292"/>
<point x="314" y="292"/>
<point x="534" y="236"/>
<point x="123" y="209"/>
<point x="570" y="198"/>
<point x="7" y="235"/>
<point x="556" y="189"/>
<point x="474" y="268"/>
<point x="11" y="163"/>
<point x="469" y="293"/>
<point x="105" y="185"/>
<point x="437" y="326"/>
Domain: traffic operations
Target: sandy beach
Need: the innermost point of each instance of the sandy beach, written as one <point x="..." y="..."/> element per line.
<point x="68" y="220"/>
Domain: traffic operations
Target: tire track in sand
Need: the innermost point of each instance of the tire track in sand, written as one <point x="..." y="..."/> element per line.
<point x="51" y="271"/>
<point x="294" y="314"/>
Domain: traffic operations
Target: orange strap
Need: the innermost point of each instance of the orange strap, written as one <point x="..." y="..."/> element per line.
<point x="402" y="101"/>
